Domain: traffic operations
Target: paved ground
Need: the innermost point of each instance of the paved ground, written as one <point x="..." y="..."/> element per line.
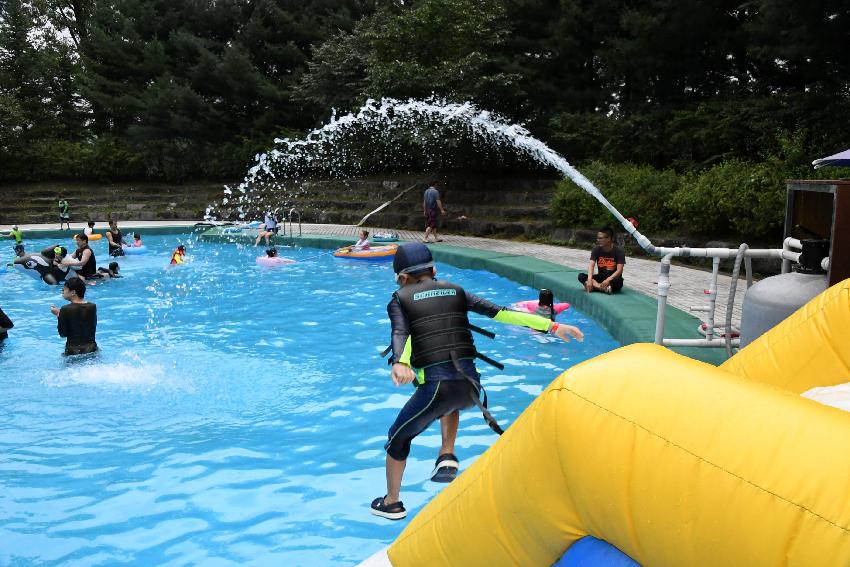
<point x="686" y="290"/>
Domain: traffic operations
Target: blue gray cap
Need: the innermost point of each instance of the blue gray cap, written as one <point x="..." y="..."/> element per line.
<point x="412" y="257"/>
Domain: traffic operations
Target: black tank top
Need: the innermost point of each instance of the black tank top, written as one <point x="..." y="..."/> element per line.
<point x="89" y="268"/>
<point x="117" y="240"/>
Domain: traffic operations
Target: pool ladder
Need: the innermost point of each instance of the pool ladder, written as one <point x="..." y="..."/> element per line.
<point x="293" y="212"/>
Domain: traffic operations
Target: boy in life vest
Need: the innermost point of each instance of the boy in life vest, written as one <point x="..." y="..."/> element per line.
<point x="432" y="347"/>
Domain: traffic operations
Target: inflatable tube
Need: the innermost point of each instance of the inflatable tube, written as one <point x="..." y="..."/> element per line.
<point x="270" y="261"/>
<point x="592" y="552"/>
<point x="40" y="267"/>
<point x="671" y="460"/>
<point x="93" y="237"/>
<point x="135" y="250"/>
<point x="532" y="304"/>
<point x="374" y="253"/>
<point x="385" y="237"/>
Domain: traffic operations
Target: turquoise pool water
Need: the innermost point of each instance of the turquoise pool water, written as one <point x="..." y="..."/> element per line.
<point x="235" y="414"/>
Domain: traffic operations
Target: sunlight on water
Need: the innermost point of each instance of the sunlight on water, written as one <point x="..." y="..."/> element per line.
<point x="235" y="414"/>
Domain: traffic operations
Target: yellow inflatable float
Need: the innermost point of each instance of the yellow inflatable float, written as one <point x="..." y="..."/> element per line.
<point x="673" y="461"/>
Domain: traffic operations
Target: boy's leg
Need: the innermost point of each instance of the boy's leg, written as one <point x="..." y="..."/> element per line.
<point x="448" y="431"/>
<point x="395" y="472"/>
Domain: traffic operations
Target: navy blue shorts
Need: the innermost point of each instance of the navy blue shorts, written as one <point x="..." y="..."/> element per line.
<point x="430" y="402"/>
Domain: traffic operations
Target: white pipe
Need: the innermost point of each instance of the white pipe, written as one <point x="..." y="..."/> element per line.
<point x="712" y="298"/>
<point x="735" y="343"/>
<point x="792" y="243"/>
<point x="787" y="245"/>
<point x="787" y="256"/>
<point x="663" y="287"/>
<point x="730" y="304"/>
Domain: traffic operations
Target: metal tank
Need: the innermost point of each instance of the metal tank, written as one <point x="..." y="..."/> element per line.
<point x="773" y="299"/>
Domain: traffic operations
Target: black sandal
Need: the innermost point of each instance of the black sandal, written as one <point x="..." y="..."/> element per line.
<point x="445" y="469"/>
<point x="394" y="511"/>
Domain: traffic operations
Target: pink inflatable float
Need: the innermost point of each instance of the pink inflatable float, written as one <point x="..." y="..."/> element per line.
<point x="532" y="304"/>
<point x="270" y="261"/>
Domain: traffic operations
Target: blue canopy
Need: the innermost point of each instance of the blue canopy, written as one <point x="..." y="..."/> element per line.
<point x="841" y="159"/>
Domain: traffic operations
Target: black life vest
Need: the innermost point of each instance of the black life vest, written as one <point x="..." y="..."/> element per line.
<point x="437" y="314"/>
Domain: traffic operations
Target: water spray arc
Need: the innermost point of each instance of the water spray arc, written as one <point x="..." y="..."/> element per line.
<point x="387" y="118"/>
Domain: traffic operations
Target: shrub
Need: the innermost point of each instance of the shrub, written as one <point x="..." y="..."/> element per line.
<point x="638" y="191"/>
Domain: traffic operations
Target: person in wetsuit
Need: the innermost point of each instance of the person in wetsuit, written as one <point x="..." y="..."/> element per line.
<point x="77" y="321"/>
<point x="82" y="260"/>
<point x="5" y="325"/>
<point x="115" y="239"/>
<point x="432" y="347"/>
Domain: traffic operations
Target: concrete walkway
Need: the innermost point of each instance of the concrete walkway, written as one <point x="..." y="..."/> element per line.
<point x="686" y="284"/>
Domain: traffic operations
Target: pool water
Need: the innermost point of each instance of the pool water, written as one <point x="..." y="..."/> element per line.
<point x="235" y="414"/>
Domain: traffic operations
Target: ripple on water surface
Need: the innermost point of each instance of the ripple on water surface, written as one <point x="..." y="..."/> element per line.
<point x="235" y="414"/>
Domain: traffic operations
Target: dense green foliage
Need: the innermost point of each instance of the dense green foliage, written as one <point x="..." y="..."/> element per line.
<point x="174" y="89"/>
<point x="735" y="198"/>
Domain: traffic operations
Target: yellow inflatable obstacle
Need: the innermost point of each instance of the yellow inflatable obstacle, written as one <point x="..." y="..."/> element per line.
<point x="673" y="461"/>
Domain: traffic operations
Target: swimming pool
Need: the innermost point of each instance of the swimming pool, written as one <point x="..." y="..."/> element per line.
<point x="235" y="414"/>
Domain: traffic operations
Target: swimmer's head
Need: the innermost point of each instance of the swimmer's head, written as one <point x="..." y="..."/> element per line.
<point x="82" y="237"/>
<point x="91" y="224"/>
<point x="114" y="266"/>
<point x="412" y="260"/>
<point x="271" y="252"/>
<point x="60" y="251"/>
<point x="76" y="286"/>
<point x="137" y="236"/>
<point x="181" y="248"/>
<point x="546" y="298"/>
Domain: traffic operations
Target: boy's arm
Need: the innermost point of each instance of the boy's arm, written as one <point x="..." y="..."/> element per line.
<point x="400" y="334"/>
<point x="508" y="316"/>
<point x="401" y="345"/>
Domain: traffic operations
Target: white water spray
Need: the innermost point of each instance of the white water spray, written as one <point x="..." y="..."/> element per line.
<point x="386" y="119"/>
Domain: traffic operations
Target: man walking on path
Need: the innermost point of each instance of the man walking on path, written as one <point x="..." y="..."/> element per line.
<point x="432" y="207"/>
<point x="64" y="213"/>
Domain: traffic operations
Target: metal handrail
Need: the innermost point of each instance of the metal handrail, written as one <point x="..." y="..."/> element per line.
<point x="292" y="212"/>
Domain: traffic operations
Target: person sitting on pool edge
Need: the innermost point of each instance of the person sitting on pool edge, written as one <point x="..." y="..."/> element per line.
<point x="76" y="321"/>
<point x="178" y="256"/>
<point x="610" y="260"/>
<point x="428" y="349"/>
<point x="269" y="229"/>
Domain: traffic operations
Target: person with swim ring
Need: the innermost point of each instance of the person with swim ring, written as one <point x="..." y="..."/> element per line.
<point x="432" y="347"/>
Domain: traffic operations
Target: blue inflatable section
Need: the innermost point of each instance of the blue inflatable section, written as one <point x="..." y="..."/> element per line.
<point x="592" y="552"/>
